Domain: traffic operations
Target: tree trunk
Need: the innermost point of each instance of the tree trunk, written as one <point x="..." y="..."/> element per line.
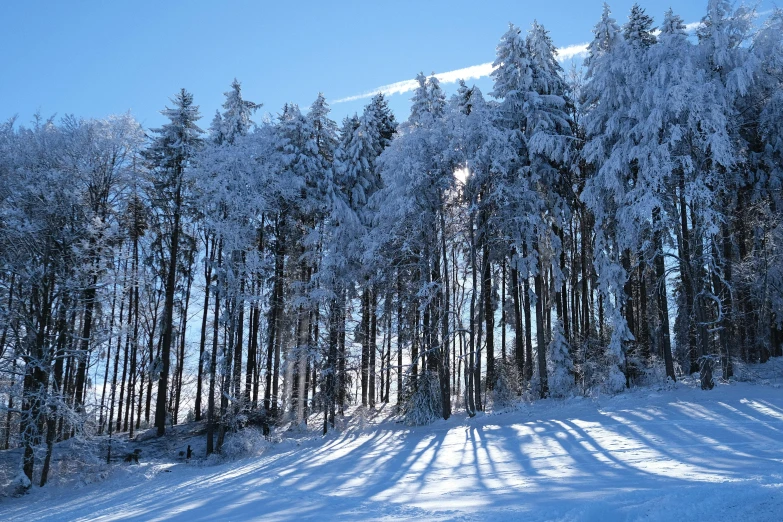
<point x="211" y="421"/>
<point x="663" y="302"/>
<point x="239" y="327"/>
<point x="528" y="324"/>
<point x="373" y="344"/>
<point x="519" y="337"/>
<point x="444" y="370"/>
<point x="365" y="361"/>
<point x="489" y="315"/>
<point x="400" y="338"/>
<point x="540" y="334"/>
<point x="181" y="364"/>
<point x="168" y="312"/>
<point x="210" y="257"/>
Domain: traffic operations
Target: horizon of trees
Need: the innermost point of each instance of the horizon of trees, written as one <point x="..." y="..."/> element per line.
<point x="571" y="232"/>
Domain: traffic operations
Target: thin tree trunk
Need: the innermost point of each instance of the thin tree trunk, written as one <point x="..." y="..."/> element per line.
<point x="210" y="257"/>
<point x="503" y="310"/>
<point x="240" y="329"/>
<point x="373" y="344"/>
<point x="489" y="315"/>
<point x="445" y="390"/>
<point x="213" y="368"/>
<point x="538" y="280"/>
<point x="102" y="418"/>
<point x="365" y="361"/>
<point x="663" y="302"/>
<point x="400" y="338"/>
<point x="181" y="364"/>
<point x="528" y="322"/>
<point x="519" y="337"/>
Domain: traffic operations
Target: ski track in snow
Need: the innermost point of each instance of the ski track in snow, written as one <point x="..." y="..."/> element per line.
<point x="673" y="455"/>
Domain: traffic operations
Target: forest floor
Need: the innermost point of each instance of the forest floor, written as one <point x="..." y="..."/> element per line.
<point x="648" y="454"/>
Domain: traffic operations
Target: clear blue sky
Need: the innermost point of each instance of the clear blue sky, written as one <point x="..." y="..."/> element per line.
<point x="95" y="58"/>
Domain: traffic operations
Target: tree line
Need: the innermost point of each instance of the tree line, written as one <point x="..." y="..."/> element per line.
<point x="571" y="232"/>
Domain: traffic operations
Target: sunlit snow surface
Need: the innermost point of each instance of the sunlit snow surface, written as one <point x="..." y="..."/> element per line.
<point x="680" y="454"/>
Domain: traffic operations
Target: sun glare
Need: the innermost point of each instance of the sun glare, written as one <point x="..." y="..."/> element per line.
<point x="461" y="175"/>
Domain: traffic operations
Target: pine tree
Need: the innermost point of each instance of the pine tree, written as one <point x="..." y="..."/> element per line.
<point x="238" y="113"/>
<point x="169" y="155"/>
<point x="639" y="30"/>
<point x="607" y="98"/>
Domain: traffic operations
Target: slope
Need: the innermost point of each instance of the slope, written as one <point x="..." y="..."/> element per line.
<point x="642" y="455"/>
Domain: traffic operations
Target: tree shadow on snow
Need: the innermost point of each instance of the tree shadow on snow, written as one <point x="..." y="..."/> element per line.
<point x="415" y="472"/>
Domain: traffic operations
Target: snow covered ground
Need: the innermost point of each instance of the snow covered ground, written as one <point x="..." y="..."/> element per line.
<point x="681" y="454"/>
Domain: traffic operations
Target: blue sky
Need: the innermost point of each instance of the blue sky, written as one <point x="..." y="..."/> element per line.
<point x="95" y="58"/>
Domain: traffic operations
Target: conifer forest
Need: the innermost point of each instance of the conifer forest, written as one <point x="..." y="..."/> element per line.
<point x="576" y="231"/>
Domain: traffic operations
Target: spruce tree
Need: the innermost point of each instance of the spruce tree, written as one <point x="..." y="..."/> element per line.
<point x="169" y="155"/>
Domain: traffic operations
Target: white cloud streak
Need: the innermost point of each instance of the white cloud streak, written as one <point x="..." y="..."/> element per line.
<point x="572" y="51"/>
<point x="466" y="73"/>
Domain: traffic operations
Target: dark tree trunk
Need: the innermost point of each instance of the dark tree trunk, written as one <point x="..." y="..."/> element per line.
<point x="211" y="420"/>
<point x="663" y="302"/>
<point x="365" y="362"/>
<point x="103" y="418"/>
<point x="540" y="334"/>
<point x="519" y="337"/>
<point x="470" y="402"/>
<point x="210" y="256"/>
<point x="124" y="358"/>
<point x="168" y="312"/>
<point x="135" y="339"/>
<point x="239" y="327"/>
<point x="341" y="362"/>
<point x="373" y="344"/>
<point x="489" y="315"/>
<point x="400" y="338"/>
<point x="181" y="364"/>
<point x="528" y="324"/>
<point x="444" y="370"/>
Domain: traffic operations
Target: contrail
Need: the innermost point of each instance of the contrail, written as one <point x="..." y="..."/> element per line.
<point x="466" y="73"/>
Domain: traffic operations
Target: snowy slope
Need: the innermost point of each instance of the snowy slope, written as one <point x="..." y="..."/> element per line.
<point x="680" y="454"/>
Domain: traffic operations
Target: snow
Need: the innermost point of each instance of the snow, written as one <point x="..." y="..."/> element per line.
<point x="679" y="454"/>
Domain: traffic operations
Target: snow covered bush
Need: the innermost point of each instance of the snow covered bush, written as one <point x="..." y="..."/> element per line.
<point x="359" y="419"/>
<point x="615" y="355"/>
<point x="421" y="403"/>
<point x="560" y="365"/>
<point x="507" y="384"/>
<point x="615" y="381"/>
<point x="80" y="459"/>
<point x="654" y="374"/>
<point x="247" y="442"/>
<point x="588" y="365"/>
<point x="20" y="484"/>
<point x="598" y="366"/>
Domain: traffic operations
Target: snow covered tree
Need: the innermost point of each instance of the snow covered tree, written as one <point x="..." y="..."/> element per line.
<point x="412" y="205"/>
<point x="59" y="235"/>
<point x="606" y="99"/>
<point x="169" y="155"/>
<point x="231" y="199"/>
<point x="237" y="115"/>
<point x="766" y="180"/>
<point x="639" y="30"/>
<point x="534" y="113"/>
